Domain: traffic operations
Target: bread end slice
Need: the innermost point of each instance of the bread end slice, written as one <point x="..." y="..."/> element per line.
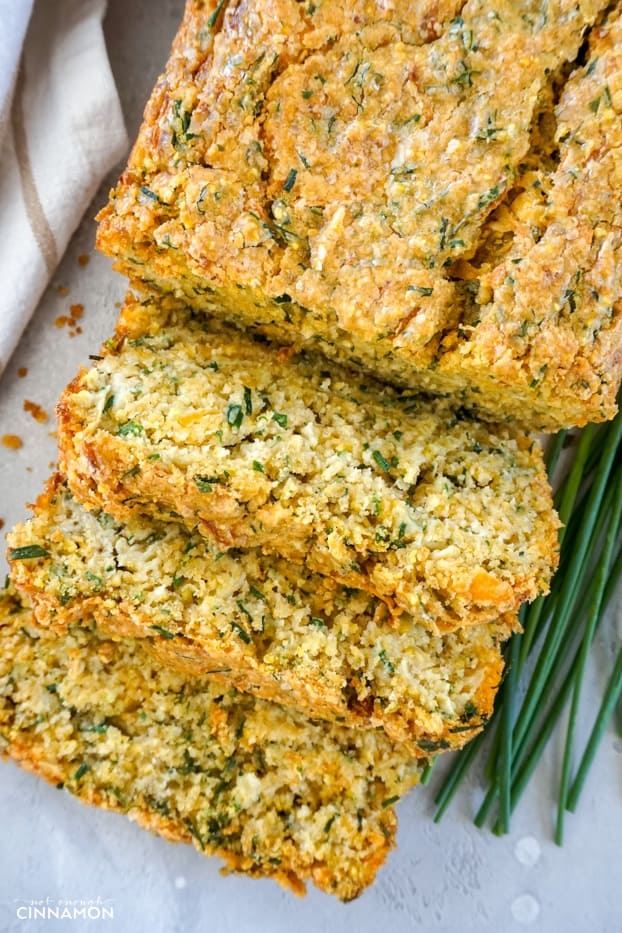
<point x="268" y="791"/>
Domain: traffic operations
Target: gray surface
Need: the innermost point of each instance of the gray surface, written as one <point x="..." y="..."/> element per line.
<point x="446" y="878"/>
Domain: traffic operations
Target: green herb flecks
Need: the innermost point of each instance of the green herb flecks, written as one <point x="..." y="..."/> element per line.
<point x="244" y="610"/>
<point x="389" y="665"/>
<point x="149" y="194"/>
<point x="130" y="429"/>
<point x="290" y="181"/>
<point x="95" y="580"/>
<point x="442" y="233"/>
<point x="389" y="801"/>
<point x="489" y="131"/>
<point x="248" y="401"/>
<point x="162" y="631"/>
<point x="241" y="632"/>
<point x="100" y="729"/>
<point x="235" y="416"/>
<point x="180" y="135"/>
<point x="464" y="76"/>
<point x="28" y="552"/>
<point x="217" y="11"/>
<point x="458" y="27"/>
<point x="569" y="298"/>
<point x="488" y="197"/>
<point x="190" y="825"/>
<point x="205" y="483"/>
<point x="429" y="745"/>
<point x="281" y="419"/>
<point x="382" y="462"/>
<point x="200" y="201"/>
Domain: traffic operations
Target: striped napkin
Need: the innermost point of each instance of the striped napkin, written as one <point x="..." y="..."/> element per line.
<point x="61" y="130"/>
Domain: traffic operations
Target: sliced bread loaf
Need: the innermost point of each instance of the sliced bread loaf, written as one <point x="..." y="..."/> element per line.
<point x="432" y="511"/>
<point x="258" y="623"/>
<point x="260" y="786"/>
<point x="424" y="189"/>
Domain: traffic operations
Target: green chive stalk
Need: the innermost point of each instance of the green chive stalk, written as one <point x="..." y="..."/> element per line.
<point x="589" y="501"/>
<point x="602" y="572"/>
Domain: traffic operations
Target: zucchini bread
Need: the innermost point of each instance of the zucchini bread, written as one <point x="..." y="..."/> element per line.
<point x="264" y="788"/>
<point x="257" y="623"/>
<point x="424" y="189"/>
<point x="433" y="512"/>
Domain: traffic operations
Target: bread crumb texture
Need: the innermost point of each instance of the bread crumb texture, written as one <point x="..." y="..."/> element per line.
<point x="424" y="189"/>
<point x="259" y="785"/>
<point x="436" y="513"/>
<point x="259" y="623"/>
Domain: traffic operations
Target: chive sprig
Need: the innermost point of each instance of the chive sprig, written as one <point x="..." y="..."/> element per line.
<point x="546" y="662"/>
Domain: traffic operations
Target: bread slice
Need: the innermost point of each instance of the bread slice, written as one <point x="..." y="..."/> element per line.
<point x="258" y="623"/>
<point x="264" y="788"/>
<point x="435" y="513"/>
<point x="421" y="188"/>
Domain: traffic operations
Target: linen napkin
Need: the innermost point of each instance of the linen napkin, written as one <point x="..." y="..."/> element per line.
<point x="61" y="130"/>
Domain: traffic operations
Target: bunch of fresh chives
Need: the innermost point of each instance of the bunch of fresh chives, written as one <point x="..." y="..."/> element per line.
<point x="558" y="631"/>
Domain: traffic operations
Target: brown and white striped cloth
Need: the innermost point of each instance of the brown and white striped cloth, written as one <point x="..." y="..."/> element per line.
<point x="61" y="130"/>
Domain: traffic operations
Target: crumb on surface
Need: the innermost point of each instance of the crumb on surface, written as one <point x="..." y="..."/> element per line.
<point x="12" y="441"/>
<point x="37" y="412"/>
<point x="76" y="311"/>
<point x="83" y="259"/>
<point x="62" y="290"/>
<point x="22" y="371"/>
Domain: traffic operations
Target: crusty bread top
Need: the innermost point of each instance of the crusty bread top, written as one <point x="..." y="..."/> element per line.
<point x="269" y="791"/>
<point x="431" y="180"/>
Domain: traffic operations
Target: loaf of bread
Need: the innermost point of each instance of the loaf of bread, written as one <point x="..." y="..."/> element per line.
<point x="434" y="512"/>
<point x="257" y="623"/>
<point x="424" y="189"/>
<point x="264" y="788"/>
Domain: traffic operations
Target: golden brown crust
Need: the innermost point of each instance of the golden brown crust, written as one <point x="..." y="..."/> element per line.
<point x="263" y="195"/>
